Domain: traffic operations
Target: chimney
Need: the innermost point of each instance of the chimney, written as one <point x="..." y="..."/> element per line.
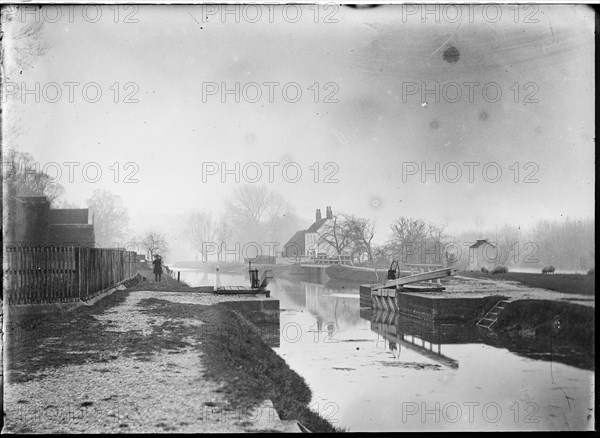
<point x="329" y="213"/>
<point x="318" y="215"/>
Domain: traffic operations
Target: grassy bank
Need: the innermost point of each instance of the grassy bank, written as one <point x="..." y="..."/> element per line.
<point x="235" y="354"/>
<point x="552" y="322"/>
<point x="565" y="283"/>
<point x="167" y="283"/>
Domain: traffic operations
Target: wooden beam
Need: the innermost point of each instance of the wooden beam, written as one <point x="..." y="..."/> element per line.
<point x="265" y="279"/>
<point x="440" y="273"/>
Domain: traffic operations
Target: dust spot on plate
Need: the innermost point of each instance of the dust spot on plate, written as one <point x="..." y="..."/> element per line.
<point x="451" y="55"/>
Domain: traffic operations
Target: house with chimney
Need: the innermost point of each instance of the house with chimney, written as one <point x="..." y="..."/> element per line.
<point x="308" y="242"/>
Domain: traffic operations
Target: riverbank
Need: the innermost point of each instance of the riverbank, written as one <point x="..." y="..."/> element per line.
<point x="564" y="283"/>
<point x="153" y="358"/>
<point x="229" y="267"/>
<point x="563" y="326"/>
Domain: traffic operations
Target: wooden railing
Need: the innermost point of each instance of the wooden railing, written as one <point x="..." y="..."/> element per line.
<point x="416" y="268"/>
<point x="326" y="260"/>
<point x="49" y="274"/>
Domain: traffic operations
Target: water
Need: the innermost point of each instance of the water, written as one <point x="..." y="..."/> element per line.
<point x="364" y="379"/>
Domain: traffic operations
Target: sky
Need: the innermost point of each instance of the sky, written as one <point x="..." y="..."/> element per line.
<point x="515" y="95"/>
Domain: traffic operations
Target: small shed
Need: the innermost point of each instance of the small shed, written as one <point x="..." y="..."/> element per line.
<point x="483" y="254"/>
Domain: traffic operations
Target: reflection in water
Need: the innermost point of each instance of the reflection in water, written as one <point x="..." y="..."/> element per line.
<point x="422" y="336"/>
<point x="391" y="372"/>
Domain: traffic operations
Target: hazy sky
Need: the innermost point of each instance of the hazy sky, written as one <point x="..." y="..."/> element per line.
<point x="371" y="64"/>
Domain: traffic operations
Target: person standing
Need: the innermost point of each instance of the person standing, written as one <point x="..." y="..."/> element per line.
<point x="157" y="267"/>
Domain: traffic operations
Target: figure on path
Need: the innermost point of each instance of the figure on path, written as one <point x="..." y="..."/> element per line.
<point x="157" y="267"/>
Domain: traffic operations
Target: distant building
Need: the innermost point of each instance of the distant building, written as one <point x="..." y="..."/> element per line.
<point x="27" y="220"/>
<point x="71" y="226"/>
<point x="482" y="254"/>
<point x="295" y="248"/>
<point x="309" y="242"/>
<point x="141" y="261"/>
<point x="31" y="222"/>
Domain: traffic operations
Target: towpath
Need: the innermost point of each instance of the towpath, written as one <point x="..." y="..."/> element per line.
<point x="67" y="373"/>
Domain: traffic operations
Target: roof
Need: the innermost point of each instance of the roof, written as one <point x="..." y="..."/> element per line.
<point x="297" y="241"/>
<point x="68" y="216"/>
<point x="315" y="227"/>
<point x="481" y="242"/>
<point x="31" y="199"/>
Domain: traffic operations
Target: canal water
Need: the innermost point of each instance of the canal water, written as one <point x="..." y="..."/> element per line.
<point x="366" y="374"/>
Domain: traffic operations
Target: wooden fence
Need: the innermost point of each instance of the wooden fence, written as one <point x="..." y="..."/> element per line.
<point x="48" y="274"/>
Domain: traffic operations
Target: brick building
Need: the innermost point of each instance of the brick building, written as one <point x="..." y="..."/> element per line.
<point x="31" y="221"/>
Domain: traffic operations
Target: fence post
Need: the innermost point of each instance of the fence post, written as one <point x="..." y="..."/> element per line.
<point x="76" y="283"/>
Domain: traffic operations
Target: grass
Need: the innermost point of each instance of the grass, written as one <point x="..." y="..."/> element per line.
<point x="565" y="283"/>
<point x="235" y="354"/>
<point x="167" y="284"/>
<point x="37" y="343"/>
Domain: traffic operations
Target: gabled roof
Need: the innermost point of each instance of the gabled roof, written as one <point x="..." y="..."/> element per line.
<point x="68" y="216"/>
<point x="315" y="227"/>
<point x="481" y="242"/>
<point x="297" y="241"/>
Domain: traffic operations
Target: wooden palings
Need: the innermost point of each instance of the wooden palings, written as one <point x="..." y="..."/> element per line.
<point x="47" y="274"/>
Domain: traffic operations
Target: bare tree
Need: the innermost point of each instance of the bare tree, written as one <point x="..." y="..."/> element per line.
<point x="23" y="177"/>
<point x="410" y="236"/>
<point x="202" y="231"/>
<point x="362" y="231"/>
<point x="111" y="218"/>
<point x="21" y="43"/>
<point x="154" y="243"/>
<point x="248" y="202"/>
<point x="336" y="233"/>
<point x="256" y="214"/>
<point x="22" y="34"/>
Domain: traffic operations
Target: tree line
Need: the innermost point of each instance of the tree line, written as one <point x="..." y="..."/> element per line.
<point x="255" y="214"/>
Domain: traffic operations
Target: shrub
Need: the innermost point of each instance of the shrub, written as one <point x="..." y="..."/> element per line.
<point x="484" y="269"/>
<point x="591" y="271"/>
<point x="500" y="270"/>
